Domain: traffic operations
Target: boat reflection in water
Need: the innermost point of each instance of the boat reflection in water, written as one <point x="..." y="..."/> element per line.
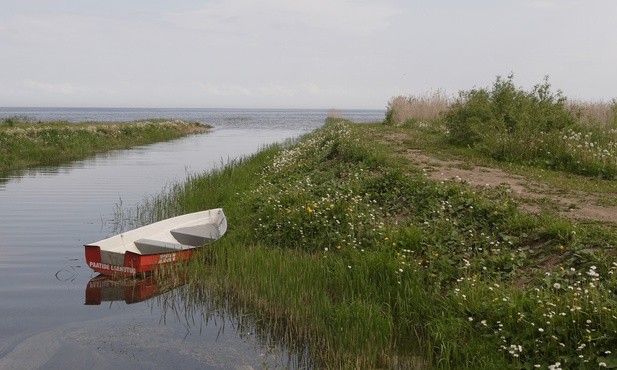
<point x="104" y="288"/>
<point x="203" y="302"/>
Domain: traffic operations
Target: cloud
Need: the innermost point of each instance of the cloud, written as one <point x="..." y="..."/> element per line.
<point x="544" y="4"/>
<point x="61" y="88"/>
<point x="227" y="90"/>
<point x="256" y="90"/>
<point x="53" y="88"/>
<point x="242" y="17"/>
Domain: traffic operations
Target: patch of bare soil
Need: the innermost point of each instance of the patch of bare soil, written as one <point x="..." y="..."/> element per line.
<point x="533" y="195"/>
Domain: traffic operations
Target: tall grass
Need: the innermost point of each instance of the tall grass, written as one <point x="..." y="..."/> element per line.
<point x="338" y="251"/>
<point x="600" y="114"/>
<point x="416" y="109"/>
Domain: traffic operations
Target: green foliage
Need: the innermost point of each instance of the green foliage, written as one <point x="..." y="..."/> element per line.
<point x="481" y="116"/>
<point x="23" y="144"/>
<point x="509" y="124"/>
<point x="389" y="119"/>
<point x="15" y="120"/>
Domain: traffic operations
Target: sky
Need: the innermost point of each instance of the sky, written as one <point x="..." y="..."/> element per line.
<point x="341" y="54"/>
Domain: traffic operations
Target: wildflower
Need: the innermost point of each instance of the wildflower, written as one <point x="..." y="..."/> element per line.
<point x="515" y="350"/>
<point x="557" y="286"/>
<point x="556" y="366"/>
<point x="602" y="364"/>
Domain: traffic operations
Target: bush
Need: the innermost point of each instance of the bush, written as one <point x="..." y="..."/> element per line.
<point x="494" y="118"/>
<point x="536" y="128"/>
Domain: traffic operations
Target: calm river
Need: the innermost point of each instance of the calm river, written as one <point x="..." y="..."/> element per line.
<point x="47" y="214"/>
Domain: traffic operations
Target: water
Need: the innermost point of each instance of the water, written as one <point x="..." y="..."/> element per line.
<point x="47" y="214"/>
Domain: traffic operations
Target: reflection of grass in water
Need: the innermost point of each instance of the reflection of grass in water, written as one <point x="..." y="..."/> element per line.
<point x="201" y="303"/>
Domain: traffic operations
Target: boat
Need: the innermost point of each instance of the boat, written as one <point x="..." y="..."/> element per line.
<point x="103" y="288"/>
<point x="147" y="248"/>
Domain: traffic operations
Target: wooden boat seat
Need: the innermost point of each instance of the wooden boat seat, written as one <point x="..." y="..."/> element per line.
<point x="151" y="246"/>
<point x="196" y="236"/>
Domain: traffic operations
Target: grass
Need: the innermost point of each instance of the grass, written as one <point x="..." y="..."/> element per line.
<point x="360" y="261"/>
<point x="26" y="144"/>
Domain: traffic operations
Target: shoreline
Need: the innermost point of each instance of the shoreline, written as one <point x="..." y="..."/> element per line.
<point x="26" y="144"/>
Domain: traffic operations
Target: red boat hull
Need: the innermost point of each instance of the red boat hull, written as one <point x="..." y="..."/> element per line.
<point x="134" y="264"/>
<point x="130" y="290"/>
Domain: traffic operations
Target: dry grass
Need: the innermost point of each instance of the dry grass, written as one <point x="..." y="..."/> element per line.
<point x="426" y="107"/>
<point x="334" y="114"/>
<point x="596" y="113"/>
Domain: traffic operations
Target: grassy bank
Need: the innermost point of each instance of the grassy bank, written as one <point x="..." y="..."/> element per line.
<point x="338" y="245"/>
<point x="27" y="144"/>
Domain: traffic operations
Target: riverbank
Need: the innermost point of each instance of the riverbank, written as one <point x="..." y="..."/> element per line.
<point x="342" y="245"/>
<point x="27" y="144"/>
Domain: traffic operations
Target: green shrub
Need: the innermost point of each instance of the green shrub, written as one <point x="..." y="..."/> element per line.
<point x="535" y="127"/>
<point x="495" y="117"/>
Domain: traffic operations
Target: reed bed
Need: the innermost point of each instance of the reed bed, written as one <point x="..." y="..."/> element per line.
<point x="595" y="113"/>
<point x="417" y="108"/>
<point x="27" y="144"/>
<point x="337" y="252"/>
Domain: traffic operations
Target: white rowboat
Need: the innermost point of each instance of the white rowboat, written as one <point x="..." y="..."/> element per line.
<point x="146" y="248"/>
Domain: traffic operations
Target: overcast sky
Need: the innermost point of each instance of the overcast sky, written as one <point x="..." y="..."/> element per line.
<point x="296" y="53"/>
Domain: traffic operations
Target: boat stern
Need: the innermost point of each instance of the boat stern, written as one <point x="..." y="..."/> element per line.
<point x="96" y="261"/>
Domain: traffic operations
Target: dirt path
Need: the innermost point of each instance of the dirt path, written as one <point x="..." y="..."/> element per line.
<point x="534" y="195"/>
